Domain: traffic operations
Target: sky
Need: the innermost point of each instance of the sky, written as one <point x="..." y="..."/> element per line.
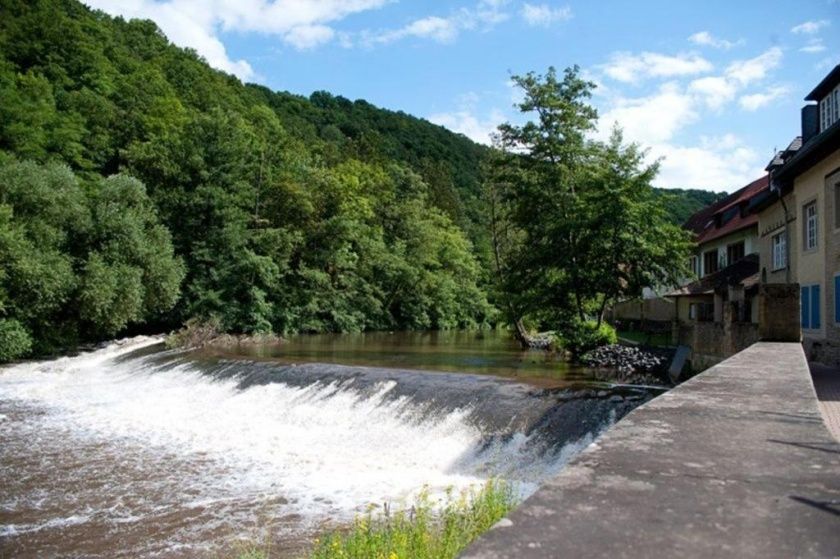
<point x="710" y="88"/>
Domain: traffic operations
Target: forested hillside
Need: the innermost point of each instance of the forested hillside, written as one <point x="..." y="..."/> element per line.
<point x="264" y="210"/>
<point x="681" y="203"/>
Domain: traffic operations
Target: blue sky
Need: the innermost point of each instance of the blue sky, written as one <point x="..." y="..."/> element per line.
<point x="710" y="87"/>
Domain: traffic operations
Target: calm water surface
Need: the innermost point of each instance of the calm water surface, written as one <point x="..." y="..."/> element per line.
<point x="487" y="352"/>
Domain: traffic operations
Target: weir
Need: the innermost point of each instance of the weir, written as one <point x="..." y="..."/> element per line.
<point x="135" y="450"/>
<point x="737" y="462"/>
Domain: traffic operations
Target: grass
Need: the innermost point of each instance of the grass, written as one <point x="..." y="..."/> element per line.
<point x="426" y="530"/>
<point x="423" y="531"/>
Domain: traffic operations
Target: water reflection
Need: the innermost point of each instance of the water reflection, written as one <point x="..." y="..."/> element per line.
<point x="493" y="352"/>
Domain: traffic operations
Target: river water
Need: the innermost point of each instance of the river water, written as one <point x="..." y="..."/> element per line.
<point x="131" y="450"/>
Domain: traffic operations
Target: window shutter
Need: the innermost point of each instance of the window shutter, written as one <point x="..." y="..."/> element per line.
<point x="805" y="307"/>
<point x="815" y="306"/>
<point x="836" y="298"/>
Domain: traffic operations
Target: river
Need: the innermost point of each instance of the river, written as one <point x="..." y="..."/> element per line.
<point x="131" y="450"/>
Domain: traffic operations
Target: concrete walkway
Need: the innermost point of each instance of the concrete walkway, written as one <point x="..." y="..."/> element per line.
<point x="735" y="462"/>
<point x="827" y="384"/>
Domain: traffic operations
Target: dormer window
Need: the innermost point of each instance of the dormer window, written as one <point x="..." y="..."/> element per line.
<point x="830" y="108"/>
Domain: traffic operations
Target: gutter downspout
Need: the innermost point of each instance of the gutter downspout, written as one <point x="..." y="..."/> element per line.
<point x="787" y="232"/>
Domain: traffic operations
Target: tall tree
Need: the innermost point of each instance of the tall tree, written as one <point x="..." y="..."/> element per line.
<point x="589" y="228"/>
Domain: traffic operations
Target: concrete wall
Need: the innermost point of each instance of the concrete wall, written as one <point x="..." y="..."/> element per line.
<point x="712" y="342"/>
<point x="735" y="462"/>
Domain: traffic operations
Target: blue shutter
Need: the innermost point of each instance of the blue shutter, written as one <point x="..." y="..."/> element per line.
<point x="805" y="307"/>
<point x="815" y="306"/>
<point x="836" y="298"/>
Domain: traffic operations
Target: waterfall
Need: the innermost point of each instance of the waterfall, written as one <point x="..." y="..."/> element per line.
<point x="131" y="437"/>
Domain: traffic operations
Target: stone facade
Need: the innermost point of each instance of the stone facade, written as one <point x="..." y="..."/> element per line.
<point x="778" y="313"/>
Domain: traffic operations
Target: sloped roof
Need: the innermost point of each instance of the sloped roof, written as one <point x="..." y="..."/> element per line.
<point x="826" y="85"/>
<point x="744" y="272"/>
<point x="781" y="156"/>
<point x="707" y="227"/>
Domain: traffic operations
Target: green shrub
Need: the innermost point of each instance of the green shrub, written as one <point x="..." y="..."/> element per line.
<point x="195" y="333"/>
<point x="15" y="341"/>
<point x="580" y="336"/>
<point x="423" y="531"/>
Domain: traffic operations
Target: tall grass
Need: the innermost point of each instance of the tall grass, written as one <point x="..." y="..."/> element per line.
<point x="424" y="531"/>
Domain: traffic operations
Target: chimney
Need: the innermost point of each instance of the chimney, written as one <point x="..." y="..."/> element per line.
<point x="810" y="122"/>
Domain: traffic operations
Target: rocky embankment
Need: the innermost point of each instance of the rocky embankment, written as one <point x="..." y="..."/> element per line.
<point x="630" y="364"/>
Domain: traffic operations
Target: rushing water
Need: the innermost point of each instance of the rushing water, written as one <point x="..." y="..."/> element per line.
<point x="134" y="451"/>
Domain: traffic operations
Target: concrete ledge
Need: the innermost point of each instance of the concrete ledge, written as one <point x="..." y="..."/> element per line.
<point x="734" y="462"/>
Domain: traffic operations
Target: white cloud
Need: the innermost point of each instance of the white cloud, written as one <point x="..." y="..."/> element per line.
<point x="465" y="121"/>
<point x="706" y="39"/>
<point x="748" y="71"/>
<point x="653" y="119"/>
<point x="629" y="68"/>
<point x="440" y="29"/>
<point x="714" y="91"/>
<point x="309" y="36"/>
<point x="756" y="101"/>
<point x="659" y="120"/>
<point x="715" y="164"/>
<point x="196" y="24"/>
<point x="810" y="27"/>
<point x="544" y="15"/>
<point x="484" y="15"/>
<point x="814" y="46"/>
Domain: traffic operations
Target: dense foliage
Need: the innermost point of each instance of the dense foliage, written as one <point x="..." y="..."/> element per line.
<point x="576" y="223"/>
<point x="78" y="262"/>
<point x="285" y="213"/>
<point x="682" y="203"/>
<point x="288" y="214"/>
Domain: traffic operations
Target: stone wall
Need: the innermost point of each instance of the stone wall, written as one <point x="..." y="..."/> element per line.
<point x="778" y="312"/>
<point x="712" y="342"/>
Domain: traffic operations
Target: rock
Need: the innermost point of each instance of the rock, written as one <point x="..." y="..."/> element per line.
<point x="630" y="364"/>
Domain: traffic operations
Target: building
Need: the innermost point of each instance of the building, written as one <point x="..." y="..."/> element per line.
<point x="799" y="221"/>
<point x="725" y="263"/>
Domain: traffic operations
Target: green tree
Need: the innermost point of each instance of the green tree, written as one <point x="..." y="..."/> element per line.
<point x="78" y="263"/>
<point x="576" y="223"/>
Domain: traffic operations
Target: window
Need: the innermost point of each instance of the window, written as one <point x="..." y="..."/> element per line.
<point x="778" y="245"/>
<point x="694" y="264"/>
<point x="830" y="109"/>
<point x="734" y="252"/>
<point x="809" y="307"/>
<point x="809" y="212"/>
<point x="710" y="262"/>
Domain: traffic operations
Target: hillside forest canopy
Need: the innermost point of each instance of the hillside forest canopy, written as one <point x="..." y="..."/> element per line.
<point x="140" y="188"/>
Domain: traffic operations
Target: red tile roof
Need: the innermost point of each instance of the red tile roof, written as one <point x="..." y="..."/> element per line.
<point x="705" y="224"/>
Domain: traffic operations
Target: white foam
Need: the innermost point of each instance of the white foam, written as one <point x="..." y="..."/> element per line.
<point x="327" y="448"/>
